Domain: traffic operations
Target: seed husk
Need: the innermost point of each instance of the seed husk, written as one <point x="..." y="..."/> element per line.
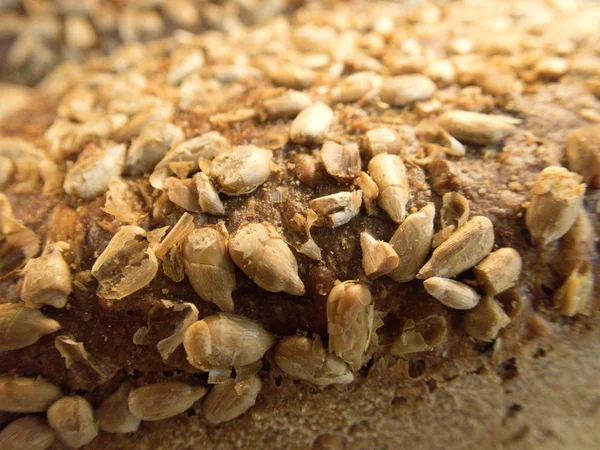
<point x="464" y="249"/>
<point x="262" y="254"/>
<point x="389" y="173"/>
<point x="341" y="161"/>
<point x="209" y="267"/>
<point x="21" y="326"/>
<point x="224" y="340"/>
<point x="230" y="399"/>
<point x="336" y="209"/>
<point x="27" y="395"/>
<point x="412" y="242"/>
<point x="556" y="199"/>
<point x="307" y="359"/>
<point x="242" y="169"/>
<point x="477" y="128"/>
<point x="576" y="295"/>
<point x="379" y="257"/>
<point x="47" y="279"/>
<point x="312" y="124"/>
<point x="160" y="401"/>
<point x="27" y="433"/>
<point x="113" y="415"/>
<point x="499" y="271"/>
<point x="583" y="154"/>
<point x="72" y="418"/>
<point x="422" y="336"/>
<point x="485" y="321"/>
<point x="452" y="293"/>
<point x="350" y="314"/>
<point x="405" y="89"/>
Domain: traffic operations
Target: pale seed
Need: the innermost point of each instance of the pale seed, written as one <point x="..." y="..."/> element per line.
<point x="478" y="128"/>
<point x="556" y="199"/>
<point x="160" y="401"/>
<point x="241" y="170"/>
<point x="336" y="209"/>
<point x="209" y="267"/>
<point x="405" y="89"/>
<point x="27" y="395"/>
<point x="230" y="399"/>
<point x="465" y="248"/>
<point x="306" y="359"/>
<point x="583" y="154"/>
<point x="341" y="161"/>
<point x="350" y="321"/>
<point x="412" y="242"/>
<point x="113" y="415"/>
<point x="312" y="124"/>
<point x="576" y="295"/>
<point x="499" y="271"/>
<point x="379" y="258"/>
<point x="21" y="326"/>
<point x="27" y="433"/>
<point x="224" y="340"/>
<point x="452" y="293"/>
<point x="262" y="254"/>
<point x="485" y="321"/>
<point x="389" y="173"/>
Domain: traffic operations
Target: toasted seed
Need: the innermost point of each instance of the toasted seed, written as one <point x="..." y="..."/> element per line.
<point x="95" y="167"/>
<point x="312" y="124"/>
<point x="306" y="359"/>
<point x="412" y="242"/>
<point x="583" y="154"/>
<point x="389" y="173"/>
<point x="286" y="105"/>
<point x="126" y="265"/>
<point x="27" y="433"/>
<point x="209" y="267"/>
<point x="485" y="321"/>
<point x="556" y="199"/>
<point x="230" y="399"/>
<point x="383" y="140"/>
<point x="370" y="191"/>
<point x="208" y="197"/>
<point x="262" y="254"/>
<point x="465" y="248"/>
<point x="21" y="326"/>
<point x="47" y="279"/>
<point x="224" y="340"/>
<point x="478" y="128"/>
<point x="150" y="146"/>
<point x="578" y="245"/>
<point x="576" y="295"/>
<point x="405" y="89"/>
<point x="453" y="294"/>
<point x="205" y="146"/>
<point x="241" y="170"/>
<point x="341" y="161"/>
<point x="336" y="209"/>
<point x="73" y="420"/>
<point x="350" y="316"/>
<point x="355" y="86"/>
<point x="455" y="210"/>
<point x="499" y="271"/>
<point x="27" y="395"/>
<point x="160" y="401"/>
<point x="379" y="257"/>
<point x="113" y="415"/>
<point x="422" y="336"/>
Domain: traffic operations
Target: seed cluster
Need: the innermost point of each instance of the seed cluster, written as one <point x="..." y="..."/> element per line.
<point x="220" y="184"/>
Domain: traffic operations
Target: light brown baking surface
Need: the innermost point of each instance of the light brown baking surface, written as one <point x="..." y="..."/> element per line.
<point x="535" y="386"/>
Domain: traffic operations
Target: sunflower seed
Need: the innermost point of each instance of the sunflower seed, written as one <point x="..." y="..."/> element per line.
<point x="485" y="321"/>
<point x="231" y="399"/>
<point x="113" y="415"/>
<point x="383" y="140"/>
<point x="370" y="192"/>
<point x="499" y="271"/>
<point x="389" y="173"/>
<point x="160" y="401"/>
<point x="21" y="327"/>
<point x="336" y="209"/>
<point x="576" y="295"/>
<point x="379" y="257"/>
<point x="453" y="294"/>
<point x="73" y="420"/>
<point x="478" y="128"/>
<point x="422" y="336"/>
<point x="27" y="433"/>
<point x="241" y="170"/>
<point x="583" y="154"/>
<point x="312" y="124"/>
<point x="286" y="105"/>
<point x="27" y="395"/>
<point x="405" y="89"/>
